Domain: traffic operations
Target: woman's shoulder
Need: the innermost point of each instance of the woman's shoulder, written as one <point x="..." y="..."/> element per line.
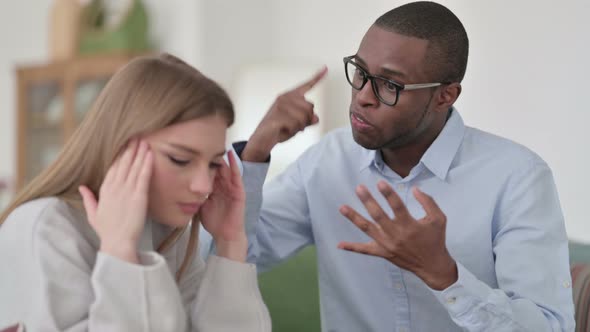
<point x="41" y="211"/>
<point x="37" y="207"/>
<point x="50" y="219"/>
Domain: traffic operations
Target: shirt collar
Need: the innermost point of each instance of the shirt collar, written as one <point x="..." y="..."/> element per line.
<point x="440" y="154"/>
<point x="368" y="158"/>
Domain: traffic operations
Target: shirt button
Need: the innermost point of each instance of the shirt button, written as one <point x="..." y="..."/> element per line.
<point x="398" y="286"/>
<point x="401" y="187"/>
<point x="567" y="284"/>
<point x="451" y="300"/>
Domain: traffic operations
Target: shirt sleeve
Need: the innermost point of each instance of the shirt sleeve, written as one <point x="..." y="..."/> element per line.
<point x="76" y="293"/>
<point x="132" y="297"/>
<point x="532" y="265"/>
<point x="229" y="299"/>
<point x="109" y="294"/>
<point x="222" y="295"/>
<point x="280" y="214"/>
<point x="277" y="221"/>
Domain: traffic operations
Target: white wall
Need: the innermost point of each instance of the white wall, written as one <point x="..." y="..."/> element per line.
<point x="234" y="33"/>
<point x="22" y="40"/>
<point x="176" y="28"/>
<point x="526" y="79"/>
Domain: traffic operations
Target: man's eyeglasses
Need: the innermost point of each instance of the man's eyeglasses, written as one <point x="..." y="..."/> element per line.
<point x="387" y="91"/>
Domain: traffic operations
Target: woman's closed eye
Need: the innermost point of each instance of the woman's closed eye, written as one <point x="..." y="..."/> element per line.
<point x="215" y="165"/>
<point x="178" y="161"/>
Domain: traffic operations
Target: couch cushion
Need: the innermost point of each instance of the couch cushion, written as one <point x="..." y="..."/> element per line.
<point x="291" y="294"/>
<point x="579" y="252"/>
<point x="581" y="290"/>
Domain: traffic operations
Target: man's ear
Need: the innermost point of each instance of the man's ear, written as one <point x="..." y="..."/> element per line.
<point x="448" y="95"/>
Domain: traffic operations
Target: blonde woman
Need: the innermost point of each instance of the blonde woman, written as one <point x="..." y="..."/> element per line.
<point x="102" y="240"/>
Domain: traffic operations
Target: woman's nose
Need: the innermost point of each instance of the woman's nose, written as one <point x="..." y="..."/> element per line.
<point x="201" y="182"/>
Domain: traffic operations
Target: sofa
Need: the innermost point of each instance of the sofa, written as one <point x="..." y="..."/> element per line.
<point x="291" y="291"/>
<point x="580" y="265"/>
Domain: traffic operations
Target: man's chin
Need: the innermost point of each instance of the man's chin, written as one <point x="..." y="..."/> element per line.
<point x="364" y="141"/>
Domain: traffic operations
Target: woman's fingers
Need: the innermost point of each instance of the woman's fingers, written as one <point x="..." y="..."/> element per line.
<point x="145" y="174"/>
<point x="90" y="204"/>
<point x="137" y="164"/>
<point x="236" y="177"/>
<point x="121" y="168"/>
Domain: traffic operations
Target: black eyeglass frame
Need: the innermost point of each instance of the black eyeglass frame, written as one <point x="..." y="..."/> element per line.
<point x="399" y="86"/>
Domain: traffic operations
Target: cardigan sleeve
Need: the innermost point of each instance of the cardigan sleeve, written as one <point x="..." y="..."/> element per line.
<point x="82" y="290"/>
<point x="110" y="295"/>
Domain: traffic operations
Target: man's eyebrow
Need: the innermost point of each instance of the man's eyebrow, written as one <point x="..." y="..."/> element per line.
<point x="383" y="70"/>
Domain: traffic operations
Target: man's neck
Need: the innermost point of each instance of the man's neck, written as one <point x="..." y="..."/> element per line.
<point x="402" y="159"/>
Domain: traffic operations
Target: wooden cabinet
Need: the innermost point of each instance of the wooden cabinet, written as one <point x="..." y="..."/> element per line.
<point x="52" y="100"/>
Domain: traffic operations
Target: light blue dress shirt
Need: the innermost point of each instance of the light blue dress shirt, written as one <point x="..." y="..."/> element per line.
<point x="505" y="229"/>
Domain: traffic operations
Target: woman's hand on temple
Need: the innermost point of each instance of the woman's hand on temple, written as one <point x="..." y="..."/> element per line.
<point x="222" y="215"/>
<point x="119" y="214"/>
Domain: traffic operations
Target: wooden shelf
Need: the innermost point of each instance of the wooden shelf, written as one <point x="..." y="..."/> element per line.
<point x="38" y="85"/>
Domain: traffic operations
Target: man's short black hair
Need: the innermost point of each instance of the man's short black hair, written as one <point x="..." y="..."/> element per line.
<point x="448" y="46"/>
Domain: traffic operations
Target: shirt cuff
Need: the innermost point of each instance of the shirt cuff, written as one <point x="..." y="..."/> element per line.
<point x="136" y="296"/>
<point x="229" y="298"/>
<point x="463" y="294"/>
<point x="253" y="174"/>
<point x="239" y="148"/>
<point x="228" y="266"/>
<point x="147" y="260"/>
<point x="151" y="270"/>
<point x="225" y="278"/>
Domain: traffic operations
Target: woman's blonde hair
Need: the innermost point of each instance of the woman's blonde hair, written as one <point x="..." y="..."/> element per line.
<point x="148" y="94"/>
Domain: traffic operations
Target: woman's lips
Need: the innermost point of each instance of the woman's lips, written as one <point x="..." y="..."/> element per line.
<point x="189" y="208"/>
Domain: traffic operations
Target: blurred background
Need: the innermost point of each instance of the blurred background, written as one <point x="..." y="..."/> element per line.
<point x="527" y="78"/>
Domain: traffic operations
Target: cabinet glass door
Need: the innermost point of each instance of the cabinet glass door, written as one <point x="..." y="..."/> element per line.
<point x="43" y="131"/>
<point x="86" y="93"/>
